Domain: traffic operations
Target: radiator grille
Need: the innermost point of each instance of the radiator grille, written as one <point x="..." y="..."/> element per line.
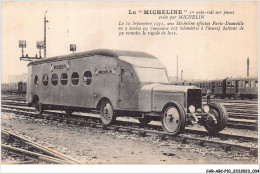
<point x="194" y="98"/>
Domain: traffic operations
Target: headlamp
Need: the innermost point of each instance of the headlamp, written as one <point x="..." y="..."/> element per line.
<point x="191" y="108"/>
<point x="206" y="108"/>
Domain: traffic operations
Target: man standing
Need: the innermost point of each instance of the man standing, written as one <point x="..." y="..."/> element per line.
<point x="208" y="96"/>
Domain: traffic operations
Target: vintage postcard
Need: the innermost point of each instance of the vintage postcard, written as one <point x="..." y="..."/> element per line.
<point x="130" y="83"/>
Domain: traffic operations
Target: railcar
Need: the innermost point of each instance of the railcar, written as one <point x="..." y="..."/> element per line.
<point x="243" y="87"/>
<point x="220" y="88"/>
<point x="119" y="83"/>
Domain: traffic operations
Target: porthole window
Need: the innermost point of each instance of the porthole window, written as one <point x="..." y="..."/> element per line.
<point x="45" y="80"/>
<point x="64" y="79"/>
<point x="54" y="79"/>
<point x="75" y="78"/>
<point x="247" y="84"/>
<point x="36" y="80"/>
<point x="87" y="78"/>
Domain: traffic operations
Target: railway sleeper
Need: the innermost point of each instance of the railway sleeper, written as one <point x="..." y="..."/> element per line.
<point x="226" y="147"/>
<point x="142" y="134"/>
<point x="253" y="152"/>
<point x="163" y="137"/>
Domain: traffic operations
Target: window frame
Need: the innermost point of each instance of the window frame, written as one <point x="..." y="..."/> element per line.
<point x="63" y="79"/>
<point x="88" y="78"/>
<point x="53" y="78"/>
<point x="43" y="81"/>
<point x="73" y="78"/>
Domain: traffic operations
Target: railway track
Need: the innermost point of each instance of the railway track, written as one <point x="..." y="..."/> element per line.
<point x="241" y="123"/>
<point x="204" y="98"/>
<point x="56" y="116"/>
<point x="198" y="137"/>
<point x="29" y="152"/>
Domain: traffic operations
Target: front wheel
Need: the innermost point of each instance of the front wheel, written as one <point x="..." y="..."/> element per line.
<point x="39" y="108"/>
<point x="107" y="113"/>
<point x="173" y="119"/>
<point x="221" y="116"/>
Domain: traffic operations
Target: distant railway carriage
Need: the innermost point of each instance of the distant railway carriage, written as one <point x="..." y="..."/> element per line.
<point x="14" y="88"/>
<point x="9" y="88"/>
<point x="206" y="84"/>
<point x="220" y="88"/>
<point x="203" y="84"/>
<point x="241" y="87"/>
<point x="119" y="83"/>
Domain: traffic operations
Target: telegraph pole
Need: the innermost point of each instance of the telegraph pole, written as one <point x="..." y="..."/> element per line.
<point x="181" y="74"/>
<point x="248" y="67"/>
<point x="44" y="42"/>
<point x="177" y="69"/>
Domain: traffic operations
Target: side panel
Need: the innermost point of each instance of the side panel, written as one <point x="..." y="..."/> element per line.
<point x="106" y="80"/>
<point x="80" y="94"/>
<point x="161" y="99"/>
<point x="128" y="88"/>
<point x="145" y="100"/>
<point x="38" y="89"/>
<point x="29" y="83"/>
<point x="101" y="82"/>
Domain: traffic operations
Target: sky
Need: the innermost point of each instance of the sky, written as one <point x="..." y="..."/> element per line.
<point x="94" y="25"/>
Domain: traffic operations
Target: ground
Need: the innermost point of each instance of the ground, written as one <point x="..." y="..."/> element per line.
<point x="96" y="146"/>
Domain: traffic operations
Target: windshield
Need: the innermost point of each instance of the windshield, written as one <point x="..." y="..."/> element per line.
<point x="152" y="75"/>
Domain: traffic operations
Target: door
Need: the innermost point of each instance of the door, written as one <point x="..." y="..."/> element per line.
<point x="128" y="89"/>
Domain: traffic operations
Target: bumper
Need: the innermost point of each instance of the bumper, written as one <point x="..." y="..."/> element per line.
<point x="193" y="118"/>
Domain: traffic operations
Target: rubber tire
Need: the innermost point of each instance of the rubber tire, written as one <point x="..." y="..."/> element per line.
<point x="144" y="121"/>
<point x="105" y="121"/>
<point x="39" y="108"/>
<point x="182" y="114"/>
<point x="222" y="120"/>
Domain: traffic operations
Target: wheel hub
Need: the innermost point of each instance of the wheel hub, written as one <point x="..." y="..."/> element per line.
<point x="212" y="118"/>
<point x="171" y="119"/>
<point x="107" y="111"/>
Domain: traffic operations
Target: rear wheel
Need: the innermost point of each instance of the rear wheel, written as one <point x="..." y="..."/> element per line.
<point x="107" y="113"/>
<point x="220" y="113"/>
<point x="173" y="119"/>
<point x="38" y="108"/>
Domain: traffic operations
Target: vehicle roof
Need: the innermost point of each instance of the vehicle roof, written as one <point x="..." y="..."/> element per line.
<point x="199" y="81"/>
<point x="243" y="78"/>
<point x="101" y="52"/>
<point x="141" y="62"/>
<point x="219" y="80"/>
